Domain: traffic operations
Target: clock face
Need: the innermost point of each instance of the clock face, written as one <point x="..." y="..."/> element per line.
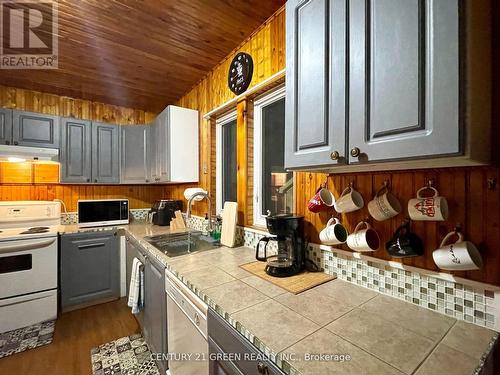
<point x="240" y="73"/>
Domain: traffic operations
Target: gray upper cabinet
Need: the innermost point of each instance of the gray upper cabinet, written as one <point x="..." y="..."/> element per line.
<point x="75" y="152"/>
<point x="5" y="126"/>
<point x="404" y="79"/>
<point x="315" y="83"/>
<point x="105" y="153"/>
<point x="35" y="129"/>
<point x="379" y="84"/>
<point x="135" y="142"/>
<point x="90" y="268"/>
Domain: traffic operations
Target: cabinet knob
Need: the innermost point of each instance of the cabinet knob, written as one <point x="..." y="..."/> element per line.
<point x="334" y="155"/>
<point x="262" y="369"/>
<point x="355" y="152"/>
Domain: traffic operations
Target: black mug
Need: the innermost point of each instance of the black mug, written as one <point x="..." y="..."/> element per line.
<point x="404" y="243"/>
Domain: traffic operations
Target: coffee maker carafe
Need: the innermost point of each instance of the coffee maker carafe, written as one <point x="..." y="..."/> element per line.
<point x="288" y="231"/>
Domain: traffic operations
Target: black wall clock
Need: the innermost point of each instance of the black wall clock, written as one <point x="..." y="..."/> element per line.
<point x="240" y="73"/>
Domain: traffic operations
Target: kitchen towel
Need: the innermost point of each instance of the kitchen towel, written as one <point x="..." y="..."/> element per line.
<point x="136" y="287"/>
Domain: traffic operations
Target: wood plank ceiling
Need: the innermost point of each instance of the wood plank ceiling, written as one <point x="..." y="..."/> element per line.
<point x="141" y="54"/>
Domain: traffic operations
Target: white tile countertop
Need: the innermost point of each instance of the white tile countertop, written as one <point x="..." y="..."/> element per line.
<point x="380" y="334"/>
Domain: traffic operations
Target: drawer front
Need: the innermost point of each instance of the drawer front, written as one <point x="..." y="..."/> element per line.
<point x="240" y="351"/>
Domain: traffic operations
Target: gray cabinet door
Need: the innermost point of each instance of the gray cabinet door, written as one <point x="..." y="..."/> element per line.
<point x="5" y="126"/>
<point x="315" y="83"/>
<point x="134" y="154"/>
<point x="163" y="146"/>
<point x="105" y="153"/>
<point x="155" y="309"/>
<point x="35" y="129"/>
<point x="154" y="151"/>
<point x="404" y="79"/>
<point x="244" y="359"/>
<point x="75" y="151"/>
<point x="90" y="268"/>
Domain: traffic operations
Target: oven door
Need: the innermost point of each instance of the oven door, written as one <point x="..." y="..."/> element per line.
<point x="28" y="266"/>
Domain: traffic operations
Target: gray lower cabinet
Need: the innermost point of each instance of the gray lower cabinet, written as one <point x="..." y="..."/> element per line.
<point x="90" y="268"/>
<point x="105" y="153"/>
<point x="404" y="79"/>
<point x="153" y="318"/>
<point x="155" y="309"/>
<point x="135" y="142"/>
<point x="75" y="152"/>
<point x="35" y="129"/>
<point x="245" y="358"/>
<point x="5" y="126"/>
<point x="315" y="109"/>
<point x="377" y="82"/>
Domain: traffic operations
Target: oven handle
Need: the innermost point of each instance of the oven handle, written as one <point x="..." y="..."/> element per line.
<point x="27" y="246"/>
<point x="91" y="245"/>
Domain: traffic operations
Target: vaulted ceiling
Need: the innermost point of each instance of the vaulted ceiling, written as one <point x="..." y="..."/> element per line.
<point x="141" y="54"/>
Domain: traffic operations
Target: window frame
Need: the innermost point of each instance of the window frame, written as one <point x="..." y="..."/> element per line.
<point x="262" y="101"/>
<point x="219" y="123"/>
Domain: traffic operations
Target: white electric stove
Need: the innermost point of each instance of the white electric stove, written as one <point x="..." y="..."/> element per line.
<point x="28" y="262"/>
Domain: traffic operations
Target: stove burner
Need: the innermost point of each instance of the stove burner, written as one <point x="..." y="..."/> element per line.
<point x="36" y="230"/>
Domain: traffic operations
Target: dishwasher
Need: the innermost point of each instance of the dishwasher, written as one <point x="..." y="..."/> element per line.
<point x="187" y="330"/>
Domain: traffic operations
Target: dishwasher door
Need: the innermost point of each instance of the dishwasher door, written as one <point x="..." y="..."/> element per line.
<point x="187" y="331"/>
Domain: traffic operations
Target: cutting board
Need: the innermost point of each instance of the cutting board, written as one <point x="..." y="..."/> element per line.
<point x="229" y="218"/>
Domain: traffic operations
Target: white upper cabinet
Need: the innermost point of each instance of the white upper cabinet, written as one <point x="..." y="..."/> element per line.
<point x="387" y="84"/>
<point x="176" y="155"/>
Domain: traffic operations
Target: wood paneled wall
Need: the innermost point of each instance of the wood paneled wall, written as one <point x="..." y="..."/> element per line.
<point x="267" y="48"/>
<point x="141" y="196"/>
<point x="472" y="204"/>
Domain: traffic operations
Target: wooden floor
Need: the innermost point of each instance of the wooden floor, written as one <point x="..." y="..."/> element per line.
<point x="76" y="333"/>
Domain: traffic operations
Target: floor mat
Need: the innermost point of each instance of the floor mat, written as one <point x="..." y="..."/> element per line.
<point x="22" y="339"/>
<point x="126" y="356"/>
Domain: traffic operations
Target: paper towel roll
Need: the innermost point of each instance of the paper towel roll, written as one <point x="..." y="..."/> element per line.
<point x="188" y="193"/>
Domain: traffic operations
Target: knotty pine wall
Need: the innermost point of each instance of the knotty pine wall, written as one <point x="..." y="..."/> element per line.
<point x="472" y="204"/>
<point x="141" y="196"/>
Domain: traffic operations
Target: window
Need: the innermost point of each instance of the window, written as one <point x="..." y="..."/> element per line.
<point x="273" y="185"/>
<point x="226" y="163"/>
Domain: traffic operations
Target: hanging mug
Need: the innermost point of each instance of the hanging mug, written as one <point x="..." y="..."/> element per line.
<point x="433" y="208"/>
<point x="366" y="239"/>
<point x="459" y="256"/>
<point x="350" y="200"/>
<point x="322" y="200"/>
<point x="404" y="243"/>
<point x="385" y="205"/>
<point x="334" y="233"/>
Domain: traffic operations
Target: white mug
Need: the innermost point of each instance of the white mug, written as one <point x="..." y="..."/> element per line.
<point x="363" y="239"/>
<point x="433" y="208"/>
<point x="384" y="206"/>
<point x="459" y="256"/>
<point x="334" y="233"/>
<point x="350" y="200"/>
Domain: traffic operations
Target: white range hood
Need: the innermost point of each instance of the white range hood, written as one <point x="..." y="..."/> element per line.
<point x="22" y="153"/>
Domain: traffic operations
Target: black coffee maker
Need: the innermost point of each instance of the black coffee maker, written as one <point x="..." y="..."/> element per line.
<point x="289" y="236"/>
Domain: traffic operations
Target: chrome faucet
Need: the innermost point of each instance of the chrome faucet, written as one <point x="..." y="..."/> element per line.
<point x="209" y="201"/>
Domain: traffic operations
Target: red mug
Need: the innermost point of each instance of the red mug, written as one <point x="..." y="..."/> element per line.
<point x="322" y="200"/>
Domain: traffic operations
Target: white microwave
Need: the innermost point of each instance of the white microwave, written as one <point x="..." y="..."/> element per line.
<point x="95" y="213"/>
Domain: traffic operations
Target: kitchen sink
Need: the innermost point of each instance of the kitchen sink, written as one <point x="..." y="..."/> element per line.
<point x="176" y="244"/>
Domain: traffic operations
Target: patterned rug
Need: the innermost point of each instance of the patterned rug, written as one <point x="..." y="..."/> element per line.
<point x="126" y="356"/>
<point x="22" y="339"/>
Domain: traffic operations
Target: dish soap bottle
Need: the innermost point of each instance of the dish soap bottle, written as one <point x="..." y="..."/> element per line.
<point x="204" y="228"/>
